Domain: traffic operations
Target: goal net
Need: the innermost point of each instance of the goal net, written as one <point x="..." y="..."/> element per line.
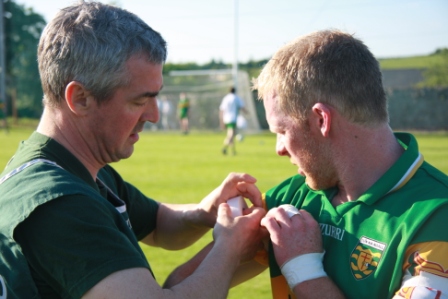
<point x="204" y="89"/>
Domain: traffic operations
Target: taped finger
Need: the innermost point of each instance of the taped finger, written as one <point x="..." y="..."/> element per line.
<point x="290" y="210"/>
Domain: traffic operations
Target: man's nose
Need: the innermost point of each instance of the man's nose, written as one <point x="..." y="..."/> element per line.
<point x="151" y="113"/>
<point x="280" y="146"/>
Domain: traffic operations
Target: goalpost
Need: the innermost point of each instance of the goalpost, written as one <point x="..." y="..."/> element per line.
<point x="205" y="90"/>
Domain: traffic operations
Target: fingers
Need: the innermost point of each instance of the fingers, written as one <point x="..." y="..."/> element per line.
<point x="290" y="210"/>
<point x="233" y="185"/>
<point x="234" y="177"/>
<point x="278" y="215"/>
<point x="244" y="185"/>
<point x="307" y="217"/>
<point x="281" y="218"/>
<point x="284" y="212"/>
<point x="224" y="210"/>
<point x="251" y="192"/>
<point x="257" y="212"/>
<point x="274" y="220"/>
<point x="270" y="223"/>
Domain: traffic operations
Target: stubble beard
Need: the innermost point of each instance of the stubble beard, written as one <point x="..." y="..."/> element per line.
<point x="318" y="160"/>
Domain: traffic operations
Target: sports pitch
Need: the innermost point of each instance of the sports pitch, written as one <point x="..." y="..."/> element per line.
<point x="171" y="167"/>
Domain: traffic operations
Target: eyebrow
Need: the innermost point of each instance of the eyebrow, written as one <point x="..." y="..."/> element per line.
<point x="150" y="94"/>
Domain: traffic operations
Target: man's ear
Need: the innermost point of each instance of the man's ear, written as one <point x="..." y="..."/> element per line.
<point x="322" y="118"/>
<point x="78" y="98"/>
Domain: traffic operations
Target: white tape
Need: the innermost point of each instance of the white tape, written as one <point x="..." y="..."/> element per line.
<point x="302" y="268"/>
<point x="236" y="205"/>
<point x="290" y="210"/>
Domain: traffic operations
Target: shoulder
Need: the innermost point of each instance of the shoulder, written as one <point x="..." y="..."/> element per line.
<point x="433" y="222"/>
<point x="83" y="235"/>
<point x="41" y="181"/>
<point x="434" y="176"/>
<point x="288" y="187"/>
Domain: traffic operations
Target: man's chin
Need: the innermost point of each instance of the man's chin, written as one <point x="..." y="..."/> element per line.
<point x="125" y="154"/>
<point x="312" y="183"/>
<point x="316" y="184"/>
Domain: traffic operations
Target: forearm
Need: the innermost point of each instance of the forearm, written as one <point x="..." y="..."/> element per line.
<point x="210" y="280"/>
<point x="244" y="272"/>
<point x="178" y="226"/>
<point x="322" y="288"/>
<point x="185" y="270"/>
<point x="215" y="272"/>
<point x="247" y="271"/>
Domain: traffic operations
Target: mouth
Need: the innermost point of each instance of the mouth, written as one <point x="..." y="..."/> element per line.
<point x="134" y="137"/>
<point x="136" y="132"/>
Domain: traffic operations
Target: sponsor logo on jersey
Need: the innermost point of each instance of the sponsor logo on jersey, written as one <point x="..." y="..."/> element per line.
<point x="332" y="231"/>
<point x="365" y="257"/>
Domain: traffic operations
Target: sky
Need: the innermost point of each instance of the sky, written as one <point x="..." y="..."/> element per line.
<point x="229" y="30"/>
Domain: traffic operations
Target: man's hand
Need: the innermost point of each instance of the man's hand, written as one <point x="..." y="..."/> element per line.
<point x="233" y="185"/>
<point x="241" y="234"/>
<point x="293" y="236"/>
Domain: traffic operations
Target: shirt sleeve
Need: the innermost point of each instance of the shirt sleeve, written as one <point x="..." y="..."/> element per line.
<point x="141" y="209"/>
<point x="426" y="262"/>
<point x="73" y="242"/>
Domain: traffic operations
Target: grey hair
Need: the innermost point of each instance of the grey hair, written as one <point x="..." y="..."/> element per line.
<point x="90" y="42"/>
<point x="330" y="67"/>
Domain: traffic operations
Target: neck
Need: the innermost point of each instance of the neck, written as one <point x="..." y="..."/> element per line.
<point x="55" y="124"/>
<point x="364" y="157"/>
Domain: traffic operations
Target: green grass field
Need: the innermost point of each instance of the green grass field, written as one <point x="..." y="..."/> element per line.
<point x="181" y="169"/>
<point x="415" y="62"/>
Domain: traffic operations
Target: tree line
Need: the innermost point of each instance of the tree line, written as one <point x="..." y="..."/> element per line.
<point x="24" y="94"/>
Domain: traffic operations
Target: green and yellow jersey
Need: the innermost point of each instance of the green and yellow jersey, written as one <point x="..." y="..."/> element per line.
<point x="392" y="234"/>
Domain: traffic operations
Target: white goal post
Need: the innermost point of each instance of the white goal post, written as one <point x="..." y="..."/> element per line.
<point x="205" y="90"/>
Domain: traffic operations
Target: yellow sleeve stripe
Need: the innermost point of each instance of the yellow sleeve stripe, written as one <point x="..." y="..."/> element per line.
<point x="430" y="257"/>
<point x="263" y="200"/>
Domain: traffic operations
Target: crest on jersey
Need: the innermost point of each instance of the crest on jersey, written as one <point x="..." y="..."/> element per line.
<point x="366" y="257"/>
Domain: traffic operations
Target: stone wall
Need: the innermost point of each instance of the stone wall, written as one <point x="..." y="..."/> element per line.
<point x="410" y="108"/>
<point x="418" y="109"/>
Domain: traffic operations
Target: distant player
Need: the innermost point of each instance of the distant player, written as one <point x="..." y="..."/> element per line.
<point x="183" y="112"/>
<point x="229" y="109"/>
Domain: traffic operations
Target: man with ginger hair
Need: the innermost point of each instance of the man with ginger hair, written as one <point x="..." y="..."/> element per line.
<point x="372" y="211"/>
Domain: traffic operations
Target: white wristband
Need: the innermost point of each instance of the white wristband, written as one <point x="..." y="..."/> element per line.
<point x="302" y="268"/>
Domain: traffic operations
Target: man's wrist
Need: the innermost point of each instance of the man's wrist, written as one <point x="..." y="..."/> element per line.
<point x="303" y="267"/>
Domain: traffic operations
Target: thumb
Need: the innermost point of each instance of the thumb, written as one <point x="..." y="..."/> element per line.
<point x="224" y="210"/>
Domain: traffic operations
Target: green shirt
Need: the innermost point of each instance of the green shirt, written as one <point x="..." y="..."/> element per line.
<point x="183" y="106"/>
<point x="366" y="240"/>
<point x="64" y="231"/>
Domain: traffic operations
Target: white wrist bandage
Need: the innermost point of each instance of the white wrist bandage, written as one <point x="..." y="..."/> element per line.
<point x="302" y="268"/>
